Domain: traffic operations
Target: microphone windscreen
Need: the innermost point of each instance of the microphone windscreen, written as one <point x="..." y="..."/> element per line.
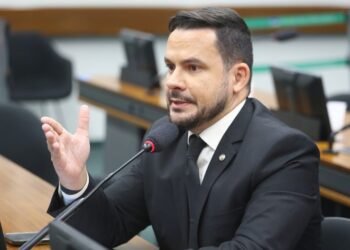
<point x="285" y="35"/>
<point x="162" y="133"/>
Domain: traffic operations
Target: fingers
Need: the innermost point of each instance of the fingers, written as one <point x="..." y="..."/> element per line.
<point x="51" y="137"/>
<point x="52" y="130"/>
<point x="53" y="144"/>
<point x="55" y="126"/>
<point x="83" y="122"/>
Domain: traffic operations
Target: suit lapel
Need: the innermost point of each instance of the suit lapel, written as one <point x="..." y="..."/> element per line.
<point x="180" y="187"/>
<point x="189" y="195"/>
<point x="193" y="189"/>
<point x="225" y="153"/>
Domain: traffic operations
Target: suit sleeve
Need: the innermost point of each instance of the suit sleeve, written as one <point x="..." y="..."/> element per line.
<point x="284" y="201"/>
<point x="113" y="215"/>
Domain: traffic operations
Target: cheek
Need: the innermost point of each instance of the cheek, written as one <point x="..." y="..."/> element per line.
<point x="203" y="88"/>
<point x="203" y="98"/>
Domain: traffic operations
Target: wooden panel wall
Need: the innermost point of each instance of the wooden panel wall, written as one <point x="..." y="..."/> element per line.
<point x="108" y="21"/>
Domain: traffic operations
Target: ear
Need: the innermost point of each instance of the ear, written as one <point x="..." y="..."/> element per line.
<point x="241" y="76"/>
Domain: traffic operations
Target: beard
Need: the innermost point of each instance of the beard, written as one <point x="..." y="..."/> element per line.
<point x="204" y="113"/>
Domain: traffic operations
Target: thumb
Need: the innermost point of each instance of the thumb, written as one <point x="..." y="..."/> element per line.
<point x="83" y="122"/>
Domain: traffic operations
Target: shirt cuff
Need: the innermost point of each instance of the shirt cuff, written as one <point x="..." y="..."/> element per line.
<point x="69" y="198"/>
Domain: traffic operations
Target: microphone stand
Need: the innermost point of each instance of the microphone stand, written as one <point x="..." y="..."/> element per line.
<point x="332" y="138"/>
<point x="69" y="211"/>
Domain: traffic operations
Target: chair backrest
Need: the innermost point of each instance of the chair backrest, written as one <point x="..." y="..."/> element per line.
<point x="29" y="52"/>
<point x="4" y="31"/>
<point x="22" y="141"/>
<point x="37" y="70"/>
<point x="335" y="233"/>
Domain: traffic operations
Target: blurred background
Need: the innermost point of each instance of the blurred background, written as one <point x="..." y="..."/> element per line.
<point x="82" y="37"/>
<point x="86" y="33"/>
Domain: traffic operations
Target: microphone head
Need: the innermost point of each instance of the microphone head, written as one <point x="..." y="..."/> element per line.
<point x="161" y="134"/>
<point x="284" y="35"/>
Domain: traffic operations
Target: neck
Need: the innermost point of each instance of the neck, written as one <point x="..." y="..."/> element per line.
<point x="201" y="127"/>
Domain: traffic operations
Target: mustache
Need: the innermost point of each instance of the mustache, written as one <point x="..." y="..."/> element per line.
<point x="175" y="94"/>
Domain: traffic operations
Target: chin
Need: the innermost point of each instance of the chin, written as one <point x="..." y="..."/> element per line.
<point x="185" y="121"/>
<point x="176" y="118"/>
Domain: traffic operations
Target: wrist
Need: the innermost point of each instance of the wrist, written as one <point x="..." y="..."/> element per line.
<point x="68" y="191"/>
<point x="69" y="196"/>
<point x="74" y="185"/>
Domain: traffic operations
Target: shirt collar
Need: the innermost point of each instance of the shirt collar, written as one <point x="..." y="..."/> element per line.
<point x="212" y="135"/>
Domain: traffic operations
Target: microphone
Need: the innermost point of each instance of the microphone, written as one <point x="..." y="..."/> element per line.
<point x="331" y="140"/>
<point x="284" y="35"/>
<point x="160" y="135"/>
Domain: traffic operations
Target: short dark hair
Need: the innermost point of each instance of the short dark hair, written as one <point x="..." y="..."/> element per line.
<point x="233" y="35"/>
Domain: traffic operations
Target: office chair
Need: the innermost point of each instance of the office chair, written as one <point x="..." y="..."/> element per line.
<point x="335" y="233"/>
<point x="37" y="71"/>
<point x="342" y="98"/>
<point x="4" y="31"/>
<point x="22" y="141"/>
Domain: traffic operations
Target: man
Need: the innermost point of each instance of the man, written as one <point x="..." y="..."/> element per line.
<point x="255" y="185"/>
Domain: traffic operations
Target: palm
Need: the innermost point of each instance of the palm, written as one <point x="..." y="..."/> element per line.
<point x="74" y="152"/>
<point x="69" y="152"/>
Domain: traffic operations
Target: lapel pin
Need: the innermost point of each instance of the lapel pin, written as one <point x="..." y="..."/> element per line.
<point x="222" y="157"/>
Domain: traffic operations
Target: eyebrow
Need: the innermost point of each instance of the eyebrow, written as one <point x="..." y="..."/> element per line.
<point x="166" y="60"/>
<point x="186" y="61"/>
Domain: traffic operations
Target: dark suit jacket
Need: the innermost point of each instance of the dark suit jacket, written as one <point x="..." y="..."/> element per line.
<point x="263" y="195"/>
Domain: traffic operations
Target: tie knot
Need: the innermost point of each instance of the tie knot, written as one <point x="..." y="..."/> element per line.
<point x="196" y="144"/>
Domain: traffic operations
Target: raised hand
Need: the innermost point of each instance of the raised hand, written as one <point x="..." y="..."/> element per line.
<point x="69" y="152"/>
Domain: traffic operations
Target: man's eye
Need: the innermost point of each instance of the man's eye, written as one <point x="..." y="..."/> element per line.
<point x="170" y="67"/>
<point x="193" y="67"/>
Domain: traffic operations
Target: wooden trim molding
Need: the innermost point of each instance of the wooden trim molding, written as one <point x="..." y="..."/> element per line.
<point x="108" y="21"/>
<point x="335" y="196"/>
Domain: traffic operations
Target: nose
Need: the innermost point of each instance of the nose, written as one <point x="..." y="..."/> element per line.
<point x="175" y="80"/>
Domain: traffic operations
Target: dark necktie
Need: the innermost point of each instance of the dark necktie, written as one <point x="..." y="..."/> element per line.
<point x="196" y="144"/>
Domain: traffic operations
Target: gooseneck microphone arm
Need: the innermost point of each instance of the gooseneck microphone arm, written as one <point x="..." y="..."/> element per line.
<point x="332" y="139"/>
<point x="162" y="134"/>
<point x="69" y="211"/>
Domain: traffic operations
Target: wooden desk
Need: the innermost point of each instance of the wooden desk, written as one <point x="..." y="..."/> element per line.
<point x="24" y="199"/>
<point x="135" y="106"/>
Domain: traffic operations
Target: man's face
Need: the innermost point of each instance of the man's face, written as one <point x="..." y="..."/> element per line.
<point x="197" y="85"/>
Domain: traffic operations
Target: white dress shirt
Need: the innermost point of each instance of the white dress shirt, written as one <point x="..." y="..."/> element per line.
<point x="212" y="137"/>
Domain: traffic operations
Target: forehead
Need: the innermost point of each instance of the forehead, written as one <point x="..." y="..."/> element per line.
<point x="195" y="43"/>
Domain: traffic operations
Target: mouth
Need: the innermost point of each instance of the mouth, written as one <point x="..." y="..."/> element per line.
<point x="178" y="103"/>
